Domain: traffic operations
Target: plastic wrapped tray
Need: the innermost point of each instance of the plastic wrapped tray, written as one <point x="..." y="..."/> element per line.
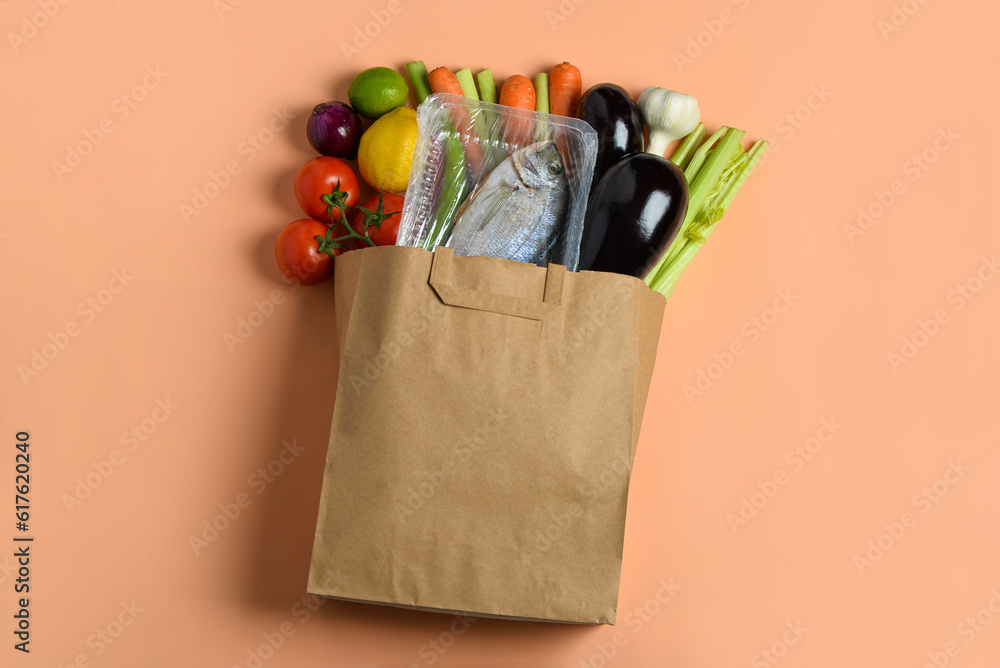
<point x="459" y="143"/>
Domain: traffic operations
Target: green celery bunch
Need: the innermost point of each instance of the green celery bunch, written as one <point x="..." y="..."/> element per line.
<point x="715" y="170"/>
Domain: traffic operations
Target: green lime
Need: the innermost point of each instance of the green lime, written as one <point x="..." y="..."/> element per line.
<point x="376" y="91"/>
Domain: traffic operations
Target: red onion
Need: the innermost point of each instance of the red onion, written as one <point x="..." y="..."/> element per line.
<point x="334" y="129"/>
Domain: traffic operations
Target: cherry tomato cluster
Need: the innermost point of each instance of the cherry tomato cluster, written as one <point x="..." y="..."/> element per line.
<point x="328" y="191"/>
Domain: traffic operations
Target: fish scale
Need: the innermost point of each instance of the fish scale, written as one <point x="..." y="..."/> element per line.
<point x="518" y="211"/>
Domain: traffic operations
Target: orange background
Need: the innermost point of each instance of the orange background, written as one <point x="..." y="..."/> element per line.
<point x="796" y="563"/>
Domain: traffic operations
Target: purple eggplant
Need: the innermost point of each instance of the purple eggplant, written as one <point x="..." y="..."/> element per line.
<point x="615" y="116"/>
<point x="633" y="214"/>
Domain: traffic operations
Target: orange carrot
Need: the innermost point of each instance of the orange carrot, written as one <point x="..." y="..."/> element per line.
<point x="518" y="92"/>
<point x="443" y="80"/>
<point x="565" y="88"/>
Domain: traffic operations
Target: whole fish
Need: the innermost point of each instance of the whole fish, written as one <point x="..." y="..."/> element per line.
<point x="517" y="212"/>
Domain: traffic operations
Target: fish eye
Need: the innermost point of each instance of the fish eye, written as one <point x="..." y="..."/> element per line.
<point x="555" y="169"/>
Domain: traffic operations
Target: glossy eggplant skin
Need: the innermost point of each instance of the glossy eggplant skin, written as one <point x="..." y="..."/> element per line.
<point x="633" y="215"/>
<point x="612" y="112"/>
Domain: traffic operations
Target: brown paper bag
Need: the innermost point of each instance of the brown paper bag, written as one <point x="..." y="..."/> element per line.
<point x="486" y="417"/>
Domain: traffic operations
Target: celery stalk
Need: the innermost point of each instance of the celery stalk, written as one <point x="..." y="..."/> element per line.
<point x="700" y="155"/>
<point x="735" y="177"/>
<point x="665" y="284"/>
<point x="705" y="180"/>
<point x="454" y="188"/>
<point x="467" y="83"/>
<point x="682" y="155"/>
<point x="417" y="72"/>
<point x="703" y="188"/>
<point x="542" y="93"/>
<point x="756" y="152"/>
<point x="542" y="129"/>
<point x="487" y="89"/>
<point x="488" y="93"/>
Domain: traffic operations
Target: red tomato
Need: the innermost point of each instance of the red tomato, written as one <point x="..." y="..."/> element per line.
<point x="317" y="178"/>
<point x="386" y="234"/>
<point x="297" y="251"/>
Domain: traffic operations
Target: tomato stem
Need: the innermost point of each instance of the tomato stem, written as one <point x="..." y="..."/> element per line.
<point x="376" y="217"/>
<point x="328" y="243"/>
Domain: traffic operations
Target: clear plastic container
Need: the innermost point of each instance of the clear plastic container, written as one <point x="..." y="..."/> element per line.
<point x="459" y="144"/>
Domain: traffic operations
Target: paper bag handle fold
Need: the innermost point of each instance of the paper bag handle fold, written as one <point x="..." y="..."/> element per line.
<point x="532" y="309"/>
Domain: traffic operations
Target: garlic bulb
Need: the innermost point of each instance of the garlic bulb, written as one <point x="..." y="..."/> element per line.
<point x="669" y="115"/>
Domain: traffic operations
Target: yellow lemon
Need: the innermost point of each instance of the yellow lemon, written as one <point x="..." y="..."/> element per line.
<point x="386" y="151"/>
